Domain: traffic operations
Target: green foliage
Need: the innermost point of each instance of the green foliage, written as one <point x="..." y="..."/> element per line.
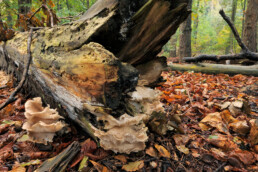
<point x="210" y="33"/>
<point x="63" y="8"/>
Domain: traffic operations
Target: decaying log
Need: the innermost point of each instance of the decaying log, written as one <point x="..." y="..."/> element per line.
<point x="71" y="69"/>
<point x="245" y="54"/>
<point x="216" y="68"/>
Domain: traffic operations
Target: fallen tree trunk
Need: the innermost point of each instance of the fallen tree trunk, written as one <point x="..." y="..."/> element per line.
<point x="71" y="70"/>
<point x="216" y="69"/>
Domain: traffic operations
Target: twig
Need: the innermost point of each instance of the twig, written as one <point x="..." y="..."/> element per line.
<point x="51" y="15"/>
<point x="24" y="75"/>
<point x="220" y="167"/>
<point x="3" y="87"/>
<point x="234" y="30"/>
<point x="35" y="12"/>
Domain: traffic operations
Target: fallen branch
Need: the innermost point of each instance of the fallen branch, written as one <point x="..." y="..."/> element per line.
<point x="215" y="68"/>
<point x="35" y="12"/>
<point x="51" y="15"/>
<point x="246" y="53"/>
<point x="24" y="75"/>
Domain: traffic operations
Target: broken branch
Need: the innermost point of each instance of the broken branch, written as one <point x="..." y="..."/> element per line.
<point x="24" y="75"/>
<point x="51" y="15"/>
<point x="246" y="53"/>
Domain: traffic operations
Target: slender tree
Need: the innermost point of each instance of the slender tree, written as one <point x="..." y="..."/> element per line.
<point x="230" y="47"/>
<point x="250" y="26"/>
<point x="243" y="21"/>
<point x="196" y="23"/>
<point x="24" y="6"/>
<point x="185" y="49"/>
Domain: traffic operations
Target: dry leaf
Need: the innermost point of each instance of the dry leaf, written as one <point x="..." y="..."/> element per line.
<point x="240" y="127"/>
<point x="133" y="166"/>
<point x="121" y="158"/>
<point x="253" y="136"/>
<point x="183" y="149"/>
<point x="99" y="167"/>
<point x="152" y="152"/>
<point x="18" y="169"/>
<point x="213" y="120"/>
<point x="162" y="151"/>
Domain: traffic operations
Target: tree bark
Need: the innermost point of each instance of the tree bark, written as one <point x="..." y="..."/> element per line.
<point x="250" y="27"/>
<point x="216" y="69"/>
<point x="69" y="71"/>
<point x="185" y="49"/>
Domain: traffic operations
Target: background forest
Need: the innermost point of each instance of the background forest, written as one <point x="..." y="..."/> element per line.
<point x="208" y="33"/>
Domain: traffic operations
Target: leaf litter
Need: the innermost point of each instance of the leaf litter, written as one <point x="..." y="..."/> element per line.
<point x="211" y="125"/>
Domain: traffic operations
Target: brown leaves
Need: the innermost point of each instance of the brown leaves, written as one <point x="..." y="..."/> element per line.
<point x="89" y="148"/>
<point x="216" y="116"/>
<point x="163" y="152"/>
<point x="133" y="166"/>
<point x="5" y="32"/>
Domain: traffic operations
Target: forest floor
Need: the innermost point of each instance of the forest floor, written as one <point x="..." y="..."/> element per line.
<point x="213" y="127"/>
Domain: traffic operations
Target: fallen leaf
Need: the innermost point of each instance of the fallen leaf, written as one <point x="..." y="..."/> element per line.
<point x="222" y="142"/>
<point x="18" y="169"/>
<point x="24" y="138"/>
<point x="99" y="167"/>
<point x="240" y="127"/>
<point x="33" y="162"/>
<point x="133" y="166"/>
<point x="244" y="156"/>
<point x="162" y="151"/>
<point x="253" y="136"/>
<point x="195" y="153"/>
<point x="213" y="120"/>
<point x="183" y="149"/>
<point x="152" y="152"/>
<point x="121" y="158"/>
<point x="84" y="163"/>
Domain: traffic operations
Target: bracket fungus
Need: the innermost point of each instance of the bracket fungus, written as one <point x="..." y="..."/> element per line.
<point x="42" y="123"/>
<point x="128" y="133"/>
<point x="124" y="135"/>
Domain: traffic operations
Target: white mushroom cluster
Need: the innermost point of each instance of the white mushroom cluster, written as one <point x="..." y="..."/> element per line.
<point x="42" y="123"/>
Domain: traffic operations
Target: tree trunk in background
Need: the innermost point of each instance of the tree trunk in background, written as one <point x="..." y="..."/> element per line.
<point x="24" y="6"/>
<point x="250" y="26"/>
<point x="173" y="42"/>
<point x="185" y="49"/>
<point x="230" y="48"/>
<point x="196" y="23"/>
<point x="59" y="7"/>
<point x="88" y="4"/>
<point x="233" y="18"/>
<point x="243" y="21"/>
